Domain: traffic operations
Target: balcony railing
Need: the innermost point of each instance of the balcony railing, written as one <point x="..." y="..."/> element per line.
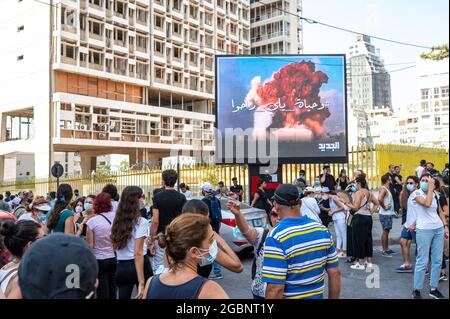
<point x="68" y="60"/>
<point x="119" y="42"/>
<point x="142" y="76"/>
<point x="95" y="36"/>
<point x="120" y="71"/>
<point x="96" y="66"/>
<point x="68" y="28"/>
<point x="141" y="49"/>
<point x="119" y="15"/>
<point x="270" y="36"/>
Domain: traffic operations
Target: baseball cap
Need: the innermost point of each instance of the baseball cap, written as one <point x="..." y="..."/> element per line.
<point x="207" y="187"/>
<point x="59" y="266"/>
<point x="286" y="194"/>
<point x="16" y="201"/>
<point x="325" y="190"/>
<point x="309" y="189"/>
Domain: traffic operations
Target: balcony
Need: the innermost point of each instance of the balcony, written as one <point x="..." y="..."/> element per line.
<point x="109" y="14"/>
<point x="68" y="28"/>
<point x="83" y="36"/>
<point x="141" y="49"/>
<point x="68" y="60"/>
<point x="108" y="43"/>
<point x="141" y="76"/>
<point x="119" y="43"/>
<point x="95" y="66"/>
<point x="96" y="36"/>
<point x="131" y="49"/>
<point x="120" y="71"/>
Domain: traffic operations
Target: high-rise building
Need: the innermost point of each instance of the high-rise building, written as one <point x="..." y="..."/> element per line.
<point x="424" y="124"/>
<point x="368" y="87"/>
<point x="98" y="77"/>
<point x="433" y="98"/>
<point x="276" y="27"/>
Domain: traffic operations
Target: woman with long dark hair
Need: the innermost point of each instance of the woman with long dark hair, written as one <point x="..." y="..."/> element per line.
<point x="61" y="219"/>
<point x="260" y="199"/>
<point x="362" y="223"/>
<point x="128" y="236"/>
<point x="17" y="238"/>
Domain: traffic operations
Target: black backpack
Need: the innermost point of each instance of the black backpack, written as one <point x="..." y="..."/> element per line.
<point x="258" y="251"/>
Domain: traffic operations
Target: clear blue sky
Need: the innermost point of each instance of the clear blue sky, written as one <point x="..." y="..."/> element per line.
<point x="414" y="21"/>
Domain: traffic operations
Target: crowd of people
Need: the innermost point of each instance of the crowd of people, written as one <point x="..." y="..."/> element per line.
<point x="174" y="249"/>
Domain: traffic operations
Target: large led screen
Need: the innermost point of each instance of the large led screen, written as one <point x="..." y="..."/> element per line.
<point x="289" y="106"/>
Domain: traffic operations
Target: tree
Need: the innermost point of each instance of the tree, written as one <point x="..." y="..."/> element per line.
<point x="124" y="166"/>
<point x="103" y="169"/>
<point x="438" y="53"/>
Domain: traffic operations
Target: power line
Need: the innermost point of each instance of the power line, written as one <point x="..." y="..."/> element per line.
<point x="312" y="21"/>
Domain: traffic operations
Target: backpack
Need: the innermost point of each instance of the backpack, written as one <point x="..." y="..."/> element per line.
<point x="216" y="212"/>
<point x="258" y="251"/>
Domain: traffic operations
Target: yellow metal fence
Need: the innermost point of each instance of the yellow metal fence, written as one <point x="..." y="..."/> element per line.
<point x="374" y="161"/>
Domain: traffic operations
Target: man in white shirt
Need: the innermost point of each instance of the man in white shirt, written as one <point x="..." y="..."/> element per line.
<point x="309" y="205"/>
<point x="420" y="169"/>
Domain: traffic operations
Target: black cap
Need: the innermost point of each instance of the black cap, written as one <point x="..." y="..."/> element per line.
<point x="287" y="195"/>
<point x="59" y="266"/>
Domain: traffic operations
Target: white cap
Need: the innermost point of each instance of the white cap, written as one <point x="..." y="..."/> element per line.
<point x="309" y="189"/>
<point x="44" y="207"/>
<point x="207" y="187"/>
<point x="325" y="190"/>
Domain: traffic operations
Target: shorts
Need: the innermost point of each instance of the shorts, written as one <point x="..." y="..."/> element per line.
<point x="386" y="221"/>
<point x="408" y="235"/>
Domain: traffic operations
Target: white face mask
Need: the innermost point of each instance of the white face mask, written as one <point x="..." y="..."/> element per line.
<point x="78" y="209"/>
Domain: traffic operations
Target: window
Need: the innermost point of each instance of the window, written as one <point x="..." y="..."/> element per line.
<point x="425" y="107"/>
<point x="436" y="93"/>
<point x="220" y="23"/>
<point x="208" y="40"/>
<point x="176" y="5"/>
<point x="208" y="18"/>
<point x="20" y="28"/>
<point x="193" y="35"/>
<point x="95" y="57"/>
<point x="95" y="28"/>
<point x="177" y="77"/>
<point x="221" y="44"/>
<point x="425" y="94"/>
<point x="177" y="52"/>
<point x="141" y="42"/>
<point x="233" y="28"/>
<point x="444" y="92"/>
<point x="193" y="58"/>
<point x="193" y="12"/>
<point x="177" y="28"/>
<point x="437" y="120"/>
<point x="159" y="21"/>
<point x="159" y="72"/>
<point x="120" y="8"/>
<point x="159" y="47"/>
<point x="141" y="15"/>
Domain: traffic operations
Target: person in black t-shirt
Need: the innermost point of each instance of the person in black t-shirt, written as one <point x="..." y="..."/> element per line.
<point x="326" y="179"/>
<point x="167" y="205"/>
<point x="397" y="182"/>
<point x="236" y="188"/>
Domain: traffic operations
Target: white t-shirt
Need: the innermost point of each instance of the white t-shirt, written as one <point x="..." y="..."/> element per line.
<point x="114" y="204"/>
<point x="188" y="195"/>
<point x="310" y="208"/>
<point x="339" y="215"/>
<point x="388" y="200"/>
<point x="425" y="217"/>
<point x="141" y="229"/>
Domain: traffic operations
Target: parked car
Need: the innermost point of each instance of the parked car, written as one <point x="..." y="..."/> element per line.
<point x="255" y="217"/>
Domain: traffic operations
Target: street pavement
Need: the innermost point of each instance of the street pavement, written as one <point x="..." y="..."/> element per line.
<point x="380" y="283"/>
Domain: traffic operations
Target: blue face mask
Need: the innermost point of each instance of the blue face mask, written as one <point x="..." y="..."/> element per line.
<point x="410" y="187"/>
<point x="316" y="182"/>
<point x="424" y="186"/>
<point x="43" y="218"/>
<point x="354" y="188"/>
<point x="212" y="254"/>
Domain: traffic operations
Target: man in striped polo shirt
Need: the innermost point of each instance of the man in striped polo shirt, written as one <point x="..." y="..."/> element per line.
<point x="297" y="253"/>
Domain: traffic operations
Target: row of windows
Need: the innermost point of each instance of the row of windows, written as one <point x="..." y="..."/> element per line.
<point x="441" y="92"/>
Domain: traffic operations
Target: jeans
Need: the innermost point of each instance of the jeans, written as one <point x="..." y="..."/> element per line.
<point x="428" y="240"/>
<point x="158" y="259"/>
<point x="107" y="278"/>
<point x="340" y="226"/>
